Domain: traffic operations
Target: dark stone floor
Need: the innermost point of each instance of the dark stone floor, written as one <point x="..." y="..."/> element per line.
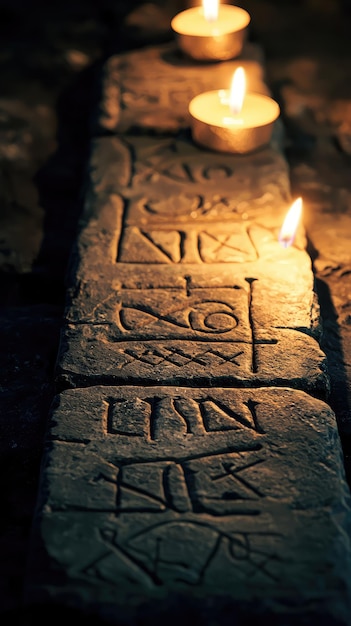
<point x="50" y="56"/>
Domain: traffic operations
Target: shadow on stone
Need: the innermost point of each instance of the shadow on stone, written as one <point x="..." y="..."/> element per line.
<point x="331" y="344"/>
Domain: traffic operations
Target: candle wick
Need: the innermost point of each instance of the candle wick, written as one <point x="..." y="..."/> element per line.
<point x="285" y="242"/>
<point x="235" y="110"/>
<point x="211" y="19"/>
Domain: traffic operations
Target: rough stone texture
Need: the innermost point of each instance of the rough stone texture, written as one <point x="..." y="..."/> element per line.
<point x="178" y="248"/>
<point x="315" y="96"/>
<point x="183" y="489"/>
<point x="90" y="355"/>
<point x="151" y="88"/>
<point x="219" y="501"/>
<point x="163" y="186"/>
<point x="48" y="43"/>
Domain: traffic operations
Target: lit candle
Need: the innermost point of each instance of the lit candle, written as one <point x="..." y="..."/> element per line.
<point x="289" y="228"/>
<point x="231" y="120"/>
<point x="212" y="32"/>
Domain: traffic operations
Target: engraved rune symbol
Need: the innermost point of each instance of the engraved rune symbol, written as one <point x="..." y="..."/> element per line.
<point x="195" y="244"/>
<point x="207" y="316"/>
<point x="214" y="484"/>
<point x="179" y="171"/>
<point x="185" y="551"/>
<point x="224" y="242"/>
<point x="218" y="485"/>
<point x="155" y="417"/>
<point x="231" y="470"/>
<point x="177" y="356"/>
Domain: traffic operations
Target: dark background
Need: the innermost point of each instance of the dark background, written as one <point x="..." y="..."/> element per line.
<point x="50" y="61"/>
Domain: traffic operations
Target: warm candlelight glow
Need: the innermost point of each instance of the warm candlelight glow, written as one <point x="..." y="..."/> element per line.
<point x="211" y="31"/>
<point x="290" y="224"/>
<point x="233" y="120"/>
<point x="237" y="91"/>
<point x="210" y="8"/>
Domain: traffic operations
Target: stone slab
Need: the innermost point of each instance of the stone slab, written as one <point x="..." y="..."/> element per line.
<point x="90" y="354"/>
<point x="150" y="88"/>
<point x="213" y="305"/>
<point x="223" y="503"/>
<point x="178" y="264"/>
<point x="164" y="202"/>
<point x="174" y="166"/>
<point x="199" y="479"/>
<point x="197" y="335"/>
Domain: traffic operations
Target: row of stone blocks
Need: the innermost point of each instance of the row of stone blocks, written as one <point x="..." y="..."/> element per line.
<point x="193" y="469"/>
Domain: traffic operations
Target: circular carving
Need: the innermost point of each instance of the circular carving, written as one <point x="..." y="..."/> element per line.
<point x="213" y="317"/>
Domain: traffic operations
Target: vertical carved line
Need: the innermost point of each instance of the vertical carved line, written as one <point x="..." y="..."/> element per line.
<point x="254" y="367"/>
<point x="251" y="405"/>
<point x="109" y="416"/>
<point x="132" y="159"/>
<point x="188" y="285"/>
<point x="122" y="224"/>
<point x="132" y="165"/>
<point x="153" y="418"/>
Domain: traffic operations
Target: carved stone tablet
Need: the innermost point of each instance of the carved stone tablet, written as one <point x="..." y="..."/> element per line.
<point x="213" y="500"/>
<point x="208" y="185"/>
<point x="165" y="202"/>
<point x="151" y="88"/>
<point x="178" y="250"/>
<point x="92" y="354"/>
<point x="199" y="480"/>
<point x="203" y="335"/>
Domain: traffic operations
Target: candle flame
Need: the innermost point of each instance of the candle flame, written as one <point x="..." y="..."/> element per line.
<point x="237" y="91"/>
<point x="210" y="8"/>
<point x="290" y="224"/>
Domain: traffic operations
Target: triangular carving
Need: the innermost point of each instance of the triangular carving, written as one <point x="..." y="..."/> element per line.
<point x="168" y="242"/>
<point x="133" y="318"/>
<point x="136" y="247"/>
<point x="180" y="172"/>
<point x="131" y="498"/>
<point x="220" y="417"/>
<point x="215" y="419"/>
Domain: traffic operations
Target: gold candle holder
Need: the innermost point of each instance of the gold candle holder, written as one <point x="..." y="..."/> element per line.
<point x="217" y="39"/>
<point x="232" y="121"/>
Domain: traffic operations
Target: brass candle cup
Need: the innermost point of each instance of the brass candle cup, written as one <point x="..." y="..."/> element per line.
<point x="220" y="40"/>
<point x="214" y="127"/>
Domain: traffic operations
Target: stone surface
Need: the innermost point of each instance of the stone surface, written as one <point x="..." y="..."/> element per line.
<point x="161" y="187"/>
<point x="315" y="97"/>
<point x="152" y="87"/>
<point x="226" y="502"/>
<point x="42" y="71"/>
<point x="180" y="296"/>
<point x="91" y="355"/>
<point x="178" y="248"/>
